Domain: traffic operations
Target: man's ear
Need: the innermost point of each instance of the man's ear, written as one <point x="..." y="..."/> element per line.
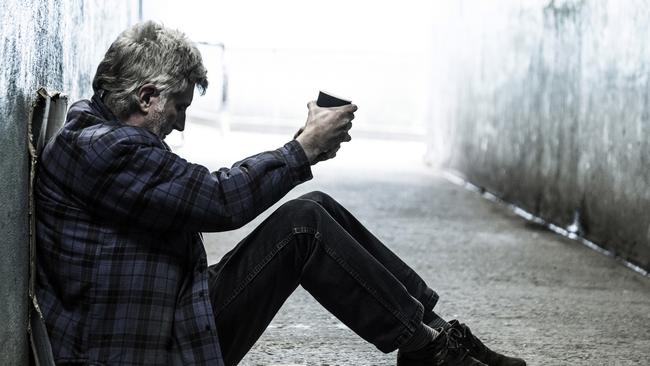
<point x="147" y="96"/>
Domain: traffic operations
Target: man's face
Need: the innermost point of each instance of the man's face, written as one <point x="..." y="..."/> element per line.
<point x="167" y="115"/>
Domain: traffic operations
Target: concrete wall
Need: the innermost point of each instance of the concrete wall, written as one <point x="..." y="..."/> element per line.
<point x="546" y="104"/>
<point x="56" y="44"/>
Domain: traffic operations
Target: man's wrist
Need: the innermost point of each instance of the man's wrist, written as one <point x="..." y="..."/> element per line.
<point x="297" y="161"/>
<point x="309" y="150"/>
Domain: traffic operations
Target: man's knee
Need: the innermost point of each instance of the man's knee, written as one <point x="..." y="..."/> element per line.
<point x="302" y="208"/>
<point x="322" y="198"/>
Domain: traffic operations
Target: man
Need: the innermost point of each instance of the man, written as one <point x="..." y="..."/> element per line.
<point x="122" y="271"/>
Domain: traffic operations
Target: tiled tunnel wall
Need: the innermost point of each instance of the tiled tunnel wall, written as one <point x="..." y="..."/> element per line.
<point x="56" y="44"/>
<point x="547" y="105"/>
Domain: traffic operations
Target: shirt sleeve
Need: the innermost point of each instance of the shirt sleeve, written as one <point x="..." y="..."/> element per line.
<point x="144" y="184"/>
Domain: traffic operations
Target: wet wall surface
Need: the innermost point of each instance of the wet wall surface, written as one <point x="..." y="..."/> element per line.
<point x="546" y="104"/>
<point x="56" y="44"/>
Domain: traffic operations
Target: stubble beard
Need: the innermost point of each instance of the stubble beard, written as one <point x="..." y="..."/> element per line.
<point x="156" y="121"/>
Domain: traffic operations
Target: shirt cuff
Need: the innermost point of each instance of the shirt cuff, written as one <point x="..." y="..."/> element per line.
<point x="297" y="161"/>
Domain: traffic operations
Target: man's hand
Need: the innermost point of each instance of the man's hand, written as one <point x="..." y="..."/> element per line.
<point x="325" y="130"/>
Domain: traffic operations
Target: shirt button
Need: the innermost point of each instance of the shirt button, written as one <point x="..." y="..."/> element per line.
<point x="202" y="293"/>
<point x="207" y="327"/>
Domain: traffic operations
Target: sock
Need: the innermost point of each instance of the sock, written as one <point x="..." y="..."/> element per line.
<point x="434" y="320"/>
<point x="422" y="336"/>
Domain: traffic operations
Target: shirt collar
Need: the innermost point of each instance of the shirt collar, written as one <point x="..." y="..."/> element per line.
<point x="97" y="104"/>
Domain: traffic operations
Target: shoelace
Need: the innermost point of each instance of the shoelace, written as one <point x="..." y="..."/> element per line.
<point x="453" y="345"/>
<point x="474" y="344"/>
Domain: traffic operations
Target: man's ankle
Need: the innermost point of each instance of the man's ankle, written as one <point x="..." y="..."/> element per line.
<point x="422" y="336"/>
<point x="434" y="321"/>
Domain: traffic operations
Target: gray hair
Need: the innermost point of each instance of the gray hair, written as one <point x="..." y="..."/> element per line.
<point x="147" y="53"/>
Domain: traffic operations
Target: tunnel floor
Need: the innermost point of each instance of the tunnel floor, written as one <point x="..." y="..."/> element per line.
<point x="523" y="290"/>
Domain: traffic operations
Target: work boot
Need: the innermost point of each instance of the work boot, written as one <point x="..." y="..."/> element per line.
<point x="478" y="350"/>
<point x="444" y="350"/>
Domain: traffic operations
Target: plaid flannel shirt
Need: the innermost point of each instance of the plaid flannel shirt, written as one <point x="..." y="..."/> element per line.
<point x="121" y="267"/>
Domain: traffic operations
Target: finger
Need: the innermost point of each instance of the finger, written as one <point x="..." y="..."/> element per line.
<point x="343" y="126"/>
<point x="347" y="137"/>
<point x="349" y="108"/>
<point x="331" y="154"/>
<point x="311" y="104"/>
<point x="346" y="117"/>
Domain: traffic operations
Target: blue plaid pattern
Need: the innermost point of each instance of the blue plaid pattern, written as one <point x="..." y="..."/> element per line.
<point x="122" y="276"/>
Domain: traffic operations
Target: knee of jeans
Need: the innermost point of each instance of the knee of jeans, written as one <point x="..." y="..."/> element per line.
<point x="318" y="196"/>
<point x="302" y="211"/>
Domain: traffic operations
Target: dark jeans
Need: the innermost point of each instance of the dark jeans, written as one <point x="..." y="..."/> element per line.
<point x="315" y="242"/>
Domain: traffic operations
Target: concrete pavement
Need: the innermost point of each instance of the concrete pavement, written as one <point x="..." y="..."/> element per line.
<point x="522" y="289"/>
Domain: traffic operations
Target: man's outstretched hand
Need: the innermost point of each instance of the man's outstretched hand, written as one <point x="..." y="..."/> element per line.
<point x="325" y="130"/>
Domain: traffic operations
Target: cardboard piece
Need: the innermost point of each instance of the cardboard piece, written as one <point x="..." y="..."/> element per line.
<point x="46" y="118"/>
